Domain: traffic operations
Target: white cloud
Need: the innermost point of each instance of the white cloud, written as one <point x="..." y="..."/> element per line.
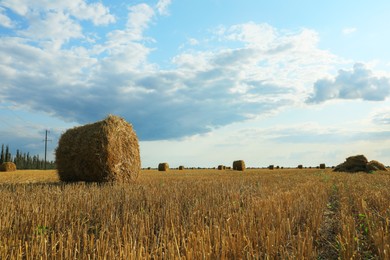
<point x="358" y="83"/>
<point x="55" y="29"/>
<point x="259" y="35"/>
<point x="349" y="30"/>
<point x="96" y="12"/>
<point x="5" y="21"/>
<point x="162" y="6"/>
<point x="139" y="18"/>
<point x="18" y="6"/>
<point x="205" y="90"/>
<point x="382" y="116"/>
<point x="53" y="23"/>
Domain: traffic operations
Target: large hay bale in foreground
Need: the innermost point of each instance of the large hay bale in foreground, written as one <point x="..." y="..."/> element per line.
<point x="163" y="167"/>
<point x="8" y="167"/>
<point x="104" y="151"/>
<point x="239" y="165"/>
<point x="359" y="163"/>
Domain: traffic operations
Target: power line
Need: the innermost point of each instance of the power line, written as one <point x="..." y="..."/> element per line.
<point x="46" y="140"/>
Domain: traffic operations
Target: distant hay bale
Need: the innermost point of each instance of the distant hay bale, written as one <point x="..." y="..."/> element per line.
<point x="271" y="167"/>
<point x="8" y="167"/>
<point x="221" y="167"/>
<point x="163" y="167"/>
<point x="104" y="151"/>
<point x="356" y="163"/>
<point x="359" y="163"/>
<point x="181" y="167"/>
<point x="300" y="166"/>
<point x="322" y="166"/>
<point x="239" y="165"/>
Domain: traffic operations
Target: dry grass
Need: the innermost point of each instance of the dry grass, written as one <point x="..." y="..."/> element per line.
<point x="209" y="214"/>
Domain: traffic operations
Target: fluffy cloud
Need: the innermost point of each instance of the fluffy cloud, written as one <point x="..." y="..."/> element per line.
<point x="54" y="23"/>
<point x="358" y="83"/>
<point x="80" y="9"/>
<point x="162" y="6"/>
<point x="266" y="71"/>
<point x="5" y="21"/>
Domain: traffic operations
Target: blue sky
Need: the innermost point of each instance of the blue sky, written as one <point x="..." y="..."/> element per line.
<point x="203" y="82"/>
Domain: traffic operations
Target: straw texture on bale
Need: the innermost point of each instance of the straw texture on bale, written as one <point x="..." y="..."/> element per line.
<point x="375" y="166"/>
<point x="163" y="167"/>
<point x="8" y="167"/>
<point x="104" y="151"/>
<point x="239" y="165"/>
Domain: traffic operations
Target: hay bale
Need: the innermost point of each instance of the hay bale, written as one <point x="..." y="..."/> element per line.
<point x="239" y="165"/>
<point x="221" y="167"/>
<point x="8" y="167"/>
<point x="181" y="167"/>
<point x="357" y="163"/>
<point x="375" y="166"/>
<point x="104" y="151"/>
<point x="163" y="167"/>
<point x="322" y="166"/>
<point x="300" y="166"/>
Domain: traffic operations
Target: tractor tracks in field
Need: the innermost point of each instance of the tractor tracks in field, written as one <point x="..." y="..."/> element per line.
<point x="330" y="227"/>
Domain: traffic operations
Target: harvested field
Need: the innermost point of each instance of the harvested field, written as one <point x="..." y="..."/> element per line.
<point x="208" y="214"/>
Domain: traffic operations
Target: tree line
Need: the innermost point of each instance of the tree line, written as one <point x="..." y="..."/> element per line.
<point x="24" y="161"/>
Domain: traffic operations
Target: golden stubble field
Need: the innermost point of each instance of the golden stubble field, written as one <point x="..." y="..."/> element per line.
<point x="197" y="214"/>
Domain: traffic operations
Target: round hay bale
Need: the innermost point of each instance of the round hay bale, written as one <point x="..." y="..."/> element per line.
<point x="322" y="166"/>
<point x="8" y="167"/>
<point x="163" y="167"/>
<point x="181" y="167"/>
<point x="239" y="165"/>
<point x="375" y="166"/>
<point x="104" y="151"/>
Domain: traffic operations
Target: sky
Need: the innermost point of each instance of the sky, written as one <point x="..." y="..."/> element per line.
<point x="202" y="82"/>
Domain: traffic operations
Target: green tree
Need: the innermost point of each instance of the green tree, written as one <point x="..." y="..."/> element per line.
<point x="7" y="154"/>
<point x="2" y="156"/>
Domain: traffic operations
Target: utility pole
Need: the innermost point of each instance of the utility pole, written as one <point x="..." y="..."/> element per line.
<point x="47" y="131"/>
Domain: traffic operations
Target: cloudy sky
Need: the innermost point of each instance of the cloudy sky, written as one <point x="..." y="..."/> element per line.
<point x="203" y="82"/>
